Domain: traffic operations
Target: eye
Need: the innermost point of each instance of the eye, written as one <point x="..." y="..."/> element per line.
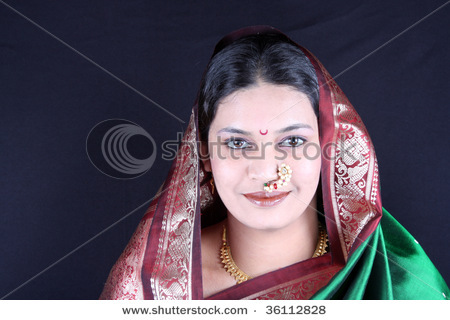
<point x="292" y="142"/>
<point x="235" y="143"/>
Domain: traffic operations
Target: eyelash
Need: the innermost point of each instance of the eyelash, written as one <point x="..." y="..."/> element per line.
<point x="299" y="143"/>
<point x="245" y="144"/>
<point x="229" y="143"/>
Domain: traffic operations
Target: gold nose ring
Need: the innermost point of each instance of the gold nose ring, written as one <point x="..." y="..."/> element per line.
<point x="284" y="176"/>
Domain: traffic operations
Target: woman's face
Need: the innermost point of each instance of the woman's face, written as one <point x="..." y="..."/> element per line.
<point x="255" y="130"/>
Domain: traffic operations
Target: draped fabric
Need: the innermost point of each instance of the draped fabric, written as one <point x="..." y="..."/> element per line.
<point x="390" y="264"/>
<point x="368" y="259"/>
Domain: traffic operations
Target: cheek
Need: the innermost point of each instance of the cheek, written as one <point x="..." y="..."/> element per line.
<point x="227" y="174"/>
<point x="307" y="172"/>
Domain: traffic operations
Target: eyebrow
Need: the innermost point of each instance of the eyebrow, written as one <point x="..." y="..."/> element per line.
<point x="248" y="133"/>
<point x="234" y="130"/>
<point x="295" y="127"/>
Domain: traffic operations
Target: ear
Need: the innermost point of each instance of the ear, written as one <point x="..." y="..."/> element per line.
<point x="204" y="156"/>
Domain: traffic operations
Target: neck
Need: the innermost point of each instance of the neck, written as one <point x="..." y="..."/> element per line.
<point x="257" y="252"/>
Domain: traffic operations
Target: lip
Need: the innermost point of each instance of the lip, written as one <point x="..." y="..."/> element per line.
<point x="266" y="199"/>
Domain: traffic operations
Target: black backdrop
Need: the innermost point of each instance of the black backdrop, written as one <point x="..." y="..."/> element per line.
<point x="57" y="210"/>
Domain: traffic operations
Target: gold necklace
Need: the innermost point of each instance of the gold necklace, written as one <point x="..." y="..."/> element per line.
<point x="228" y="262"/>
<point x="322" y="242"/>
<point x="230" y="266"/>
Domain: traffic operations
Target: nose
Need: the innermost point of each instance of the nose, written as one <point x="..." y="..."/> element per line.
<point x="263" y="170"/>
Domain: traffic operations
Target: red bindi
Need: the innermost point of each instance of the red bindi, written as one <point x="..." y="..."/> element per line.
<point x="263" y="134"/>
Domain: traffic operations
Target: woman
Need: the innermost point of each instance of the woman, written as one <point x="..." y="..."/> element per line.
<point x="280" y="200"/>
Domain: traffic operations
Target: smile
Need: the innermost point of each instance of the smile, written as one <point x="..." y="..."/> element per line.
<point x="265" y="199"/>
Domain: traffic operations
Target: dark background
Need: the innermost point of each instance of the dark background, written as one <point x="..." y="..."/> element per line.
<point x="53" y="200"/>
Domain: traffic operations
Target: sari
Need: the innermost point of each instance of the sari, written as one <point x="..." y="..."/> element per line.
<point x="370" y="256"/>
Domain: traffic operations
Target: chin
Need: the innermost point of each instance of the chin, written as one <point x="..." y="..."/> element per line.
<point x="270" y="219"/>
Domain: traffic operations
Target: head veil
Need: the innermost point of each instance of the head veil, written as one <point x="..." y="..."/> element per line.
<point x="163" y="258"/>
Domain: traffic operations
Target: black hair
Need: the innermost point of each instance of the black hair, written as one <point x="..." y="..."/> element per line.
<point x="270" y="58"/>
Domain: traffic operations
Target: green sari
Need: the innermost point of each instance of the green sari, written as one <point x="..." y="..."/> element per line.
<point x="390" y="264"/>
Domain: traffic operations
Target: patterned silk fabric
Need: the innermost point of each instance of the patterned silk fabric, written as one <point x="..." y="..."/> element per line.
<point x="172" y="270"/>
<point x="163" y="258"/>
<point x="353" y="169"/>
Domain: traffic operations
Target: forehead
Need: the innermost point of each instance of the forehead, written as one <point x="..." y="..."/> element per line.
<point x="264" y="106"/>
